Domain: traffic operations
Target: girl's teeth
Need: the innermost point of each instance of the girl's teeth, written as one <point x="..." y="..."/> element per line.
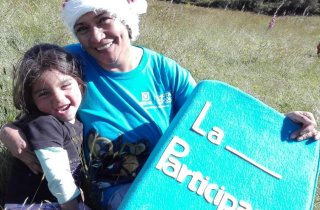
<point x="65" y="108"/>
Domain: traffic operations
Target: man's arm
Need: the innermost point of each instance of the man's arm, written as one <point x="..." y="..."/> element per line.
<point x="14" y="140"/>
<point x="309" y="125"/>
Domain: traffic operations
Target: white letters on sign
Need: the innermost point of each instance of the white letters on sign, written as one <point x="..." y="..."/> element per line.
<point x="170" y="165"/>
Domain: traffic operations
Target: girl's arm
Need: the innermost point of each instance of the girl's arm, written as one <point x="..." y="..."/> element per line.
<point x="70" y="205"/>
<point x="55" y="164"/>
<point x="14" y="140"/>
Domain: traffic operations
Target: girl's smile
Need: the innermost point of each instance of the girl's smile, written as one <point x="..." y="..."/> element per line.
<point x="57" y="94"/>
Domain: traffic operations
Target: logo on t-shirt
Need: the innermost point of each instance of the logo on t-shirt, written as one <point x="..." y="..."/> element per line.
<point x="145" y="96"/>
<point x="157" y="101"/>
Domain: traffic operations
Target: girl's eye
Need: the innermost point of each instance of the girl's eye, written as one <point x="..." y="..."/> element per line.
<point x="42" y="94"/>
<point x="66" y="85"/>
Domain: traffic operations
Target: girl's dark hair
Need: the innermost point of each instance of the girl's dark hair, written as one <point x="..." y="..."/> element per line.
<point x="38" y="59"/>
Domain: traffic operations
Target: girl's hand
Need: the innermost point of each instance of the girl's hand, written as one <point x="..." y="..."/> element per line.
<point x="309" y="124"/>
<point x="14" y="140"/>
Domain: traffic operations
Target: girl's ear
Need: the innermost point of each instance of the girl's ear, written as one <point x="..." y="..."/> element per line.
<point x="82" y="88"/>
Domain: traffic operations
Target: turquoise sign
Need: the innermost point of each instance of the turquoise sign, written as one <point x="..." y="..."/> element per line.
<point x="227" y="150"/>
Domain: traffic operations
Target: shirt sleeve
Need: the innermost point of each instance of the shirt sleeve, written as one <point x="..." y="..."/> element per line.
<point x="181" y="81"/>
<point x="44" y="131"/>
<point x="55" y="165"/>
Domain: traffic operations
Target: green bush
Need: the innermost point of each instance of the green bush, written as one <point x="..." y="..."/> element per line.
<point x="294" y="7"/>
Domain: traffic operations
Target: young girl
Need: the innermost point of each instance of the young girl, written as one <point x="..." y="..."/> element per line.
<point x="47" y="88"/>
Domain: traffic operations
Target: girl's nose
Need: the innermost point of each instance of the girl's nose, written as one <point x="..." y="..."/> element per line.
<point x="97" y="34"/>
<point x="58" y="98"/>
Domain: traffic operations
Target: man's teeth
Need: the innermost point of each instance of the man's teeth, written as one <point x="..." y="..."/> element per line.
<point x="106" y="46"/>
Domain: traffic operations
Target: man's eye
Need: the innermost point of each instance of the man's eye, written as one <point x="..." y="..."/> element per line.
<point x="105" y="20"/>
<point x="81" y="30"/>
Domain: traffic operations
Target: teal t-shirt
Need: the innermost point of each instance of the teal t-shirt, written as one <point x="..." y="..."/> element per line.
<point x="125" y="114"/>
<point x="138" y="104"/>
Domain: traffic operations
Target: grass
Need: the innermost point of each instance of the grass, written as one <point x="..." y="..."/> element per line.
<point x="278" y="66"/>
<point x="4" y="168"/>
<point x="20" y="31"/>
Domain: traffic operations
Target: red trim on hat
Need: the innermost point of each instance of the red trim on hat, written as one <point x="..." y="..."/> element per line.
<point x="64" y="3"/>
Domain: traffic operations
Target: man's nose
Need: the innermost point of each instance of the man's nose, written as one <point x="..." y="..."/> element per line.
<point x="97" y="34"/>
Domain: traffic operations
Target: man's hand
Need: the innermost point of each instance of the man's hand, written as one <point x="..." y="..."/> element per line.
<point x="14" y="140"/>
<point x="309" y="125"/>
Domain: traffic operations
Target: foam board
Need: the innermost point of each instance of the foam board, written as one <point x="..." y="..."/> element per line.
<point x="227" y="150"/>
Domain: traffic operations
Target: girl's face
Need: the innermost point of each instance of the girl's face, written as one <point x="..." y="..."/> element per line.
<point x="57" y="94"/>
<point x="104" y="38"/>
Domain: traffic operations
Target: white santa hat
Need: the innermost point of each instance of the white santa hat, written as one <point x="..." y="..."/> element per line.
<point x="119" y="9"/>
